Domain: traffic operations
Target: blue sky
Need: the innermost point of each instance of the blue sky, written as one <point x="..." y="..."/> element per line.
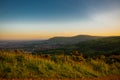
<point x="44" y="9"/>
<point x="41" y="19"/>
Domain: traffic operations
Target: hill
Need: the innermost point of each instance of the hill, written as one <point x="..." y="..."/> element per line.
<point x="106" y="46"/>
<point x="88" y="45"/>
<point x="52" y="43"/>
<point x="71" y="40"/>
<point x="90" y="59"/>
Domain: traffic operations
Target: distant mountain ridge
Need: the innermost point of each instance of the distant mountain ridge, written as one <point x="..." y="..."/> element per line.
<point x="71" y="40"/>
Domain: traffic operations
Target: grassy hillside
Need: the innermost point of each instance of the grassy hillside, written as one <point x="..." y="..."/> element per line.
<point x="71" y="40"/>
<point x="17" y="64"/>
<point x="105" y="46"/>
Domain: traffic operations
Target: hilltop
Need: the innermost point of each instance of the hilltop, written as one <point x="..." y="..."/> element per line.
<point x="71" y="40"/>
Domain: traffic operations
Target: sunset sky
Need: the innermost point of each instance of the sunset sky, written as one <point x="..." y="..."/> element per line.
<point x="42" y="19"/>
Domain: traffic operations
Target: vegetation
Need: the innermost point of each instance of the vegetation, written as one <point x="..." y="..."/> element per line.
<point x="92" y="58"/>
<point x="102" y="46"/>
<point x="106" y="46"/>
<point x="19" y="64"/>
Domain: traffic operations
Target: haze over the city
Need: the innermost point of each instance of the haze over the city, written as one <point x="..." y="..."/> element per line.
<point x="42" y="19"/>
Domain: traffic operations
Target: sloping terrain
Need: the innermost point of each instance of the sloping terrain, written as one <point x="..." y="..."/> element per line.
<point x="106" y="46"/>
<point x="71" y="40"/>
<point x="99" y="46"/>
<point x="17" y="64"/>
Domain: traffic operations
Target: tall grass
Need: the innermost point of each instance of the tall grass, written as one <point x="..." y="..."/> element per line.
<point x="23" y="65"/>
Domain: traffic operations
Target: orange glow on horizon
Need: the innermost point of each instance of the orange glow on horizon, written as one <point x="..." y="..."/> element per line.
<point x="47" y="36"/>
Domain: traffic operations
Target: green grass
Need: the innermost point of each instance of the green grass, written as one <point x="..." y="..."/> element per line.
<point x="23" y="65"/>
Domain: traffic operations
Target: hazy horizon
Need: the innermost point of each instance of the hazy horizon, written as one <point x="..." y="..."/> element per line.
<point x="43" y="19"/>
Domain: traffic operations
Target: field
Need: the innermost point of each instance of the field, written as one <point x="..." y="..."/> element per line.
<point x="19" y="64"/>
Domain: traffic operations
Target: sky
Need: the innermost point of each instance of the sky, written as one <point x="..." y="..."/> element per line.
<point x="43" y="19"/>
